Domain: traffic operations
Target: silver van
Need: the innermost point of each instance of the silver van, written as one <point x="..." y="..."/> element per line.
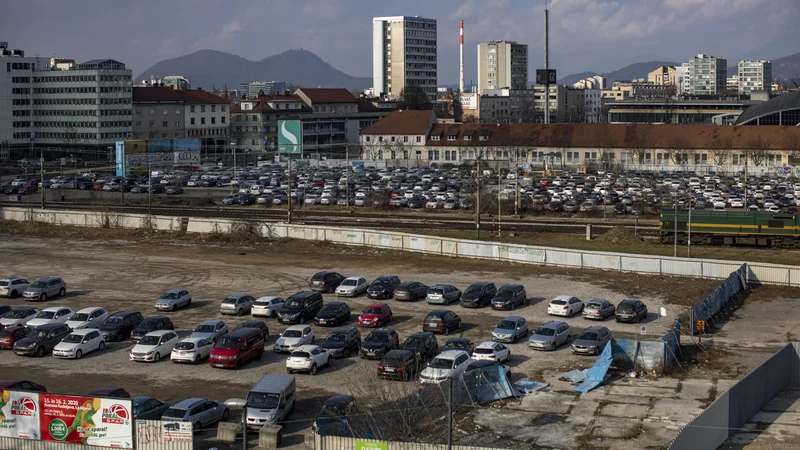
<point x="271" y="400"/>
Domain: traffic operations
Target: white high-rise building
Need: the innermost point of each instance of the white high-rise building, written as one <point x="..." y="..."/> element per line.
<point x="682" y="78"/>
<point x="755" y="76"/>
<point x="708" y="75"/>
<point x="502" y="64"/>
<point x="403" y="54"/>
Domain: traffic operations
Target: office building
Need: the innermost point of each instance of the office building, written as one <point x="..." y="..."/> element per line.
<point x="255" y="88"/>
<point x="663" y="76"/>
<point x="403" y="54"/>
<point x="623" y="90"/>
<point x="583" y="106"/>
<point x="707" y="75"/>
<point x="502" y="65"/>
<point x="594" y="82"/>
<point x="682" y="78"/>
<point x="16" y="101"/>
<point x="522" y="105"/>
<point x="754" y="76"/>
<point x="672" y="111"/>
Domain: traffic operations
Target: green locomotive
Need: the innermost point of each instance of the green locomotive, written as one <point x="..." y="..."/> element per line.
<point x="766" y="229"/>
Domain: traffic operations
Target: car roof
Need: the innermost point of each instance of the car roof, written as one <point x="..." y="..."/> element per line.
<point x="438" y="312"/>
<point x="247" y="322"/>
<point x="159" y="332"/>
<point x="440" y="285"/>
<point x="193" y="339"/>
<point x="22" y="308"/>
<point x="452" y="354"/>
<point x="123" y="313"/>
<point x="486" y="344"/>
<point x="354" y="277"/>
<point x="480" y="283"/>
<point x="307" y="348"/>
<point x="304" y="294"/>
<point x="381" y="330"/>
<point x="396" y="352"/>
<point x="421" y="334"/>
<point x="90" y="309"/>
<point x="597" y="300"/>
<point x="210" y="322"/>
<point x="297" y="327"/>
<point x="188" y="402"/>
<point x="9" y="383"/>
<point x="510" y="286"/>
<point x="266" y="298"/>
<point x="55" y="308"/>
<point x="156" y="318"/>
<point x="553" y="324"/>
<point x="84" y="331"/>
<point x="339" y="400"/>
<point x="48" y="326"/>
<point x="175" y="291"/>
<point x="564" y="297"/>
<point x="48" y="279"/>
<point x="11" y="278"/>
<point x="376" y="305"/>
<point x="458" y="339"/>
<point x="242" y="332"/>
<point x="628" y="301"/>
<point x="236" y="296"/>
<point x="514" y="318"/>
<point x="481" y="363"/>
<point x="343" y="330"/>
<point x="385" y="277"/>
<point x="595" y="329"/>
<point x="335" y="303"/>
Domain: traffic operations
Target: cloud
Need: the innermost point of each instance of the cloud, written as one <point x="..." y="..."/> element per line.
<point x="321" y="9"/>
<point x="222" y="40"/>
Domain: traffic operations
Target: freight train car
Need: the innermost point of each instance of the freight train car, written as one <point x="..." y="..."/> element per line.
<point x="766" y="229"/>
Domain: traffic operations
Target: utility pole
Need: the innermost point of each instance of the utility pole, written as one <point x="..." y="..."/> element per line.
<point x="689" y="229"/>
<point x="150" y="189"/>
<point x="516" y="182"/>
<point x="41" y="167"/>
<point x="675" y="238"/>
<point x="449" y="413"/>
<point x="347" y="177"/>
<point x="478" y="196"/>
<point x="289" y="213"/>
<point x="234" y="166"/>
<point x="499" y="205"/>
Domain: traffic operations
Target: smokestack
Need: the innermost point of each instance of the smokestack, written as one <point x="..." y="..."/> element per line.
<point x="461" y="49"/>
<point x="546" y="66"/>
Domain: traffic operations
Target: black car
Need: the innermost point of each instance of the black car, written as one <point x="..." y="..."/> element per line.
<point x="478" y="294"/>
<point x="383" y="287"/>
<point x="332" y="314"/>
<point x="621" y="208"/>
<point x="410" y="291"/>
<point x="630" y="311"/>
<point x="148" y="408"/>
<point x="4" y="309"/>
<point x="118" y="326"/>
<point x="378" y="343"/>
<point x="300" y="306"/>
<point x="151" y="324"/>
<point x="334" y="417"/>
<point x="459" y="344"/>
<point x="41" y="340"/>
<point x="441" y="321"/>
<point x="342" y="342"/>
<point x="326" y="281"/>
<point x="258" y="324"/>
<point x="109" y="392"/>
<point x="509" y="297"/>
<point x="247" y="199"/>
<point x="399" y="365"/>
<point x="424" y="345"/>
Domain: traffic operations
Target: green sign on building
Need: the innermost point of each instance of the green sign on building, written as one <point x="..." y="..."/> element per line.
<point x="290" y="136"/>
<point x="368" y="445"/>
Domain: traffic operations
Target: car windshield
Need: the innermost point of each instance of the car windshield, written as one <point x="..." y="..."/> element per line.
<point x="38" y="334"/>
<point x="79" y="317"/>
<point x="588" y="336"/>
<point x="300" y="355"/>
<point x="17" y="314"/>
<point x="412" y="342"/>
<point x="435" y="291"/>
<point x="546" y="332"/>
<point x="46" y="315"/>
<point x="149" y="340"/>
<point x="350" y="283"/>
<point x="372" y="311"/>
<point x="147" y="324"/>
<point x="380" y="283"/>
<point x="38" y="284"/>
<point x="558" y="302"/>
<point x="292" y="333"/>
<point x="293" y="303"/>
<point x="113" y="321"/>
<point x="505" y="291"/>
<point x="204" y="329"/>
<point x="330" y="308"/>
<point x="456" y="344"/>
<point x="184" y="346"/>
<point x="625" y="307"/>
<point x="73" y="339"/>
<point x="261" y="400"/>
<point x="174" y="413"/>
<point x="377" y="337"/>
<point x="442" y="363"/>
<point x="472" y="290"/>
<point x="594" y="305"/>
<point x="3" y="283"/>
<point x="230" y="300"/>
<point x="262" y="303"/>
<point x="506" y="325"/>
<point x="170" y="296"/>
<point x="336" y="337"/>
<point x="228" y="342"/>
<point x="433" y="318"/>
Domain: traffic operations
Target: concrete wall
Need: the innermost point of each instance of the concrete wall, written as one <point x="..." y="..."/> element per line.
<point x="345" y="443"/>
<point x="149" y="436"/>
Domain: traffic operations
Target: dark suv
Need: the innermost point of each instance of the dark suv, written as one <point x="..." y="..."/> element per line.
<point x="383" y="287"/>
<point x="478" y="294"/>
<point x="631" y="311"/>
<point x="410" y="291"/>
<point x="423" y="345"/>
<point x="378" y="343"/>
<point x="325" y="281"/>
<point x="441" y="321"/>
<point x="300" y="306"/>
<point x="509" y="297"/>
<point x="332" y="314"/>
<point x="119" y="325"/>
<point x="41" y="339"/>
<point x="151" y="324"/>
<point x="342" y="342"/>
<point x="399" y="365"/>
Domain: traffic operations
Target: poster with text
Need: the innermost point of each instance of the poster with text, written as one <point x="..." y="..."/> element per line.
<point x="86" y="420"/>
<point x="19" y="414"/>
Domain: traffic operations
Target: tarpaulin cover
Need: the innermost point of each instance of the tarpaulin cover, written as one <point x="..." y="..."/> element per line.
<point x="597" y="373"/>
<point x="713" y="304"/>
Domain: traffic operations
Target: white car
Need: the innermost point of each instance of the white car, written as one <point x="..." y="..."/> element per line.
<point x="154" y="345"/>
<point x="491" y="351"/>
<point x="18" y="316"/>
<point x="774" y="209"/>
<point x="79" y="343"/>
<point x="448" y="364"/>
<point x="565" y="305"/>
<point x="308" y="358"/>
<point x="736" y="203"/>
<point x="90" y="317"/>
<point x="13" y="287"/>
<point x="53" y="314"/>
<point x="191" y="350"/>
<point x="352" y="287"/>
<point x="294" y="337"/>
<point x="266" y="307"/>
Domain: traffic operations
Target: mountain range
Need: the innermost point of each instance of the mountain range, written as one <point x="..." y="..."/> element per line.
<point x="207" y="68"/>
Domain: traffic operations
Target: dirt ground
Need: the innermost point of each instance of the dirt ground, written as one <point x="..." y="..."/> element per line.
<point x="128" y="270"/>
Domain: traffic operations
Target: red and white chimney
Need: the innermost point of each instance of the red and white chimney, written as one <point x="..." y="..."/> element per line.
<point x="461" y="50"/>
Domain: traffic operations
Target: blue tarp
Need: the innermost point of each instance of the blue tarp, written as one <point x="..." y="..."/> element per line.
<point x="716" y="301"/>
<point x="590" y="378"/>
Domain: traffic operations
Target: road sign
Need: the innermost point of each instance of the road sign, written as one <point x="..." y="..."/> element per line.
<point x="290" y="136"/>
<point x="643" y="330"/>
<point x="545" y="76"/>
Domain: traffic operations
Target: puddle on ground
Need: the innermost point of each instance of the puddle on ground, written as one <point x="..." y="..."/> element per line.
<point x="548" y="419"/>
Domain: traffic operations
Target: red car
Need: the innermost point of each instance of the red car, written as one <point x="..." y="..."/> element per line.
<point x="22" y="385"/>
<point x="375" y="315"/>
<point x="9" y="335"/>
<point x="237" y="348"/>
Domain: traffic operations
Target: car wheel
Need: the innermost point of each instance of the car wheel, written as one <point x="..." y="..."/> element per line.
<point x="78" y="354"/>
<point x="174" y="307"/>
<point x="313" y="369"/>
<point x="197" y="360"/>
<point x="446" y="330"/>
<point x="14" y="294"/>
<point x="196" y="426"/>
<point x="329" y="362"/>
<point x="62" y="292"/>
<point x="42" y="297"/>
<point x="508" y="356"/>
<point x="101" y="345"/>
<point x="238" y="364"/>
<point x="40" y="352"/>
<point x="156" y="357"/>
<point x="616" y="319"/>
<point x="273" y="314"/>
<point x="189" y="302"/>
<point x="289" y="371"/>
<point x="513" y="305"/>
<point x="240" y="312"/>
<point x="260" y="355"/>
<point x="225" y="414"/>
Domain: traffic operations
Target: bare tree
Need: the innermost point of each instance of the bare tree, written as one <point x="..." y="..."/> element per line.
<point x="642" y="144"/>
<point x="605" y="144"/>
<point x="371" y="150"/>
<point x="792" y="143"/>
<point x="758" y="150"/>
<point x="720" y="149"/>
<point x="527" y="109"/>
<point x="677" y="150"/>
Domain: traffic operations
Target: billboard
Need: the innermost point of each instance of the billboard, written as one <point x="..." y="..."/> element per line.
<point x="545" y="76"/>
<point x="186" y="145"/>
<point x="120" y="160"/>
<point x="19" y="414"/>
<point x="86" y="420"/>
<point x="191" y="158"/>
<point x="290" y="136"/>
<point x="159" y="145"/>
<point x="138" y="146"/>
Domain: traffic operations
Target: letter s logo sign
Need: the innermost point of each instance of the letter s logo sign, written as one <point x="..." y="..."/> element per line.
<point x="286" y="134"/>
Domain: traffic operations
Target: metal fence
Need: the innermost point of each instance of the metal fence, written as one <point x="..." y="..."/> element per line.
<point x="712" y="305"/>
<point x="150" y="435"/>
<point x="763" y="273"/>
<point x="346" y="443"/>
<point x="732" y="409"/>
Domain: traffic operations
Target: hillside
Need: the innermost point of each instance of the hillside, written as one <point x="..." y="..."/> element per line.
<point x="210" y="67"/>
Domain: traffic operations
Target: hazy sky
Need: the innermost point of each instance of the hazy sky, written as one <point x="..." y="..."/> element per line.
<point x="586" y="35"/>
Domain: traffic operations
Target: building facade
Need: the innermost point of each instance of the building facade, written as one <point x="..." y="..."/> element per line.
<point x="624" y="90"/>
<point x="672" y="111"/>
<point x="404" y="53"/>
<point x="594" y="82"/>
<point x="207" y="117"/>
<point x="522" y="105"/>
<point x="158" y="113"/>
<point x="583" y="106"/>
<point x="707" y="75"/>
<point x="663" y="76"/>
<point x="256" y="88"/>
<point x="502" y="65"/>
<point x="754" y="76"/>
<point x="16" y="99"/>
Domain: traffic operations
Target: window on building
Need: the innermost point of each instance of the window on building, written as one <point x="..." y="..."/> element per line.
<point x="177" y="123"/>
<point x="191" y="108"/>
<point x="213" y="108"/>
<point x="222" y="119"/>
<point x="202" y="121"/>
<point x="139" y="123"/>
<point x="367" y="139"/>
<point x="152" y="111"/>
<point x="138" y="111"/>
<point x="202" y="108"/>
<point x="434" y="138"/>
<point x="213" y="120"/>
<point x="177" y="111"/>
<point x="222" y="108"/>
<point x="419" y="138"/>
<point x="165" y="124"/>
<point x="164" y="111"/>
<point x="192" y="121"/>
<point x="152" y="124"/>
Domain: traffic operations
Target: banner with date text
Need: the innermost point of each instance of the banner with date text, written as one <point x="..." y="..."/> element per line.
<point x="86" y="420"/>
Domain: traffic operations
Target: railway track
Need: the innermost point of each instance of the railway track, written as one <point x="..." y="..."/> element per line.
<point x="422" y="221"/>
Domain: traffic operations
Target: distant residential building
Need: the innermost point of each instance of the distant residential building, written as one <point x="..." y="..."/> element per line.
<point x="254" y="122"/>
<point x="583" y="106"/>
<point x="733" y="83"/>
<point x="61" y="63"/>
<point x="178" y="82"/>
<point x="682" y="78"/>
<point x="522" y="105"/>
<point x="400" y="136"/>
<point x="754" y="76"/>
<point x="256" y="88"/>
<point x="672" y="111"/>
<point x="708" y="75"/>
<point x="593" y="82"/>
<point x="502" y="65"/>
<point x="623" y="90"/>
<point x="403" y="54"/>
<point x="663" y="76"/>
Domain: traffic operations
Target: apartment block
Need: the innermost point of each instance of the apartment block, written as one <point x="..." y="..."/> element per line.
<point x="754" y="76"/>
<point x="663" y="76"/>
<point x="502" y="65"/>
<point x="707" y="75"/>
<point x="403" y="54"/>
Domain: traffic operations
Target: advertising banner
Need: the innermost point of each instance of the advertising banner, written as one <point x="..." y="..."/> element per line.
<point x="120" y="159"/>
<point x="290" y="136"/>
<point x="19" y="414"/>
<point x="186" y="145"/>
<point x="162" y="159"/>
<point x="132" y="147"/>
<point x="177" y="432"/>
<point x="86" y="420"/>
<point x="159" y="145"/>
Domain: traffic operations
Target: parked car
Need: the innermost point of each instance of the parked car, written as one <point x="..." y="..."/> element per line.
<point x="210" y="329"/>
<point x="153" y="345"/>
<point x="398" y="365"/>
<point x="383" y="287"/>
<point x="4" y="309"/>
<point x="259" y="325"/>
<point x="326" y="281"/>
<point x="492" y="351"/>
<point x="448" y="364"/>
<point x="442" y="294"/>
<point x="148" y="408"/>
<point x="378" y="343"/>
<point x="423" y="344"/>
<point x="459" y="343"/>
<point x="598" y="309"/>
<point x="333" y="419"/>
<point x="20" y="315"/>
<point x="300" y="307"/>
<point x="79" y="343"/>
<point x="550" y="336"/>
<point x="333" y="314"/>
<point x="294" y="337"/>
<point x="174" y="190"/>
<point x="631" y="311"/>
<point x="266" y="307"/>
<point x="478" y="294"/>
<point x="22" y="385"/>
<point x="509" y="297"/>
<point x="308" y="358"/>
<point x="43" y="288"/>
<point x="237" y="304"/>
<point x="342" y="342"/>
<point x="11" y="334"/>
<point x="565" y="305"/>
<point x="232" y="199"/>
<point x="91" y="317"/>
<point x="41" y="340"/>
<point x="13" y="287"/>
<point x="510" y="329"/>
<point x="192" y="350"/>
<point x="109" y="392"/>
<point x="352" y="287"/>
<point x="151" y="324"/>
<point x="591" y="341"/>
<point x="174" y="299"/>
<point x="53" y="314"/>
<point x="237" y="348"/>
<point x="199" y="411"/>
<point x="410" y="291"/>
<point x="118" y="326"/>
<point x="441" y="321"/>
<point x="375" y="315"/>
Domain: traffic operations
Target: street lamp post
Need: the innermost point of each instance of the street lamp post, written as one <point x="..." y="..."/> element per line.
<point x="240" y="403"/>
<point x="675" y="237"/>
<point x="233" y="147"/>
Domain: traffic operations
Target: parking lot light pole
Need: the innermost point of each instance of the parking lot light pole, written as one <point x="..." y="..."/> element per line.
<point x="689" y="230"/>
<point x="240" y="403"/>
<point x="675" y="238"/>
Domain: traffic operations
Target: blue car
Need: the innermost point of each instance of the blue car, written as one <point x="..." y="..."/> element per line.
<point x="232" y="199"/>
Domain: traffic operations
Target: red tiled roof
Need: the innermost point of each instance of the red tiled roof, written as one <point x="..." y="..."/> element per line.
<point x="403" y="122"/>
<point x="328" y="95"/>
<point x="200" y="96"/>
